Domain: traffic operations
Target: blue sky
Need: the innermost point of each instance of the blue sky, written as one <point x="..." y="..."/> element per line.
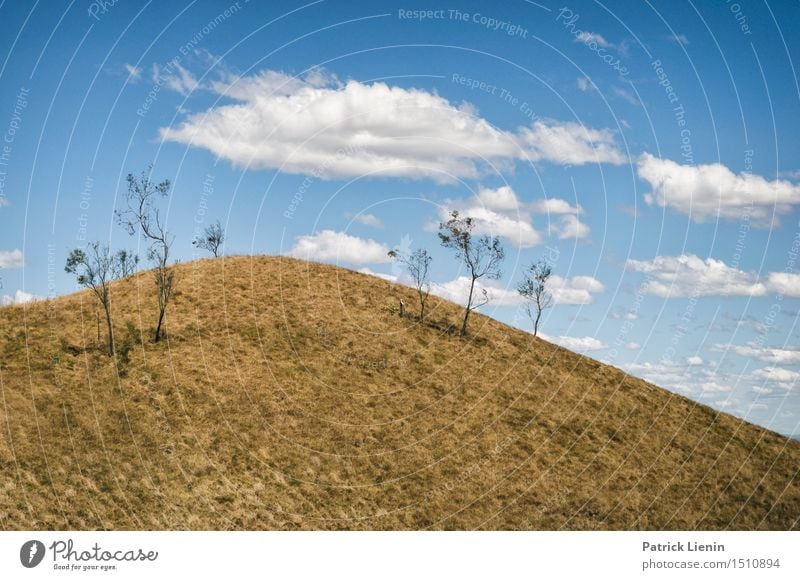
<point x="650" y="153"/>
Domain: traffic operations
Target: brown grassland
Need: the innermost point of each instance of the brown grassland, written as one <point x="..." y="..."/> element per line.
<point x="290" y="395"/>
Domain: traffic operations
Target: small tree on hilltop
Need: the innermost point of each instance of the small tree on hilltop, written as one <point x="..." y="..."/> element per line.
<point x="212" y="239"/>
<point x="482" y="257"/>
<point x="142" y="215"/>
<point x="95" y="269"/>
<point x="533" y="289"/>
<point x="417" y="263"/>
<point x="127" y="262"/>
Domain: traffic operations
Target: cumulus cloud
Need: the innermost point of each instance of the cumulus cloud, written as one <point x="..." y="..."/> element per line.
<point x="496" y="212"/>
<point x="458" y="291"/>
<point x="11" y="259"/>
<point x="331" y="246"/>
<point x="694" y="360"/>
<point x="687" y="377"/>
<point x="501" y="199"/>
<point x="571" y="227"/>
<point x="517" y="228"/>
<point x="555" y="206"/>
<point x="710" y="387"/>
<point x="368" y="219"/>
<point x="577" y="343"/>
<point x="633" y="346"/>
<point x="4" y="201"/>
<point x="575" y="290"/>
<point x="784" y="283"/>
<point x="388" y="277"/>
<point x="784" y="378"/>
<point x="318" y="125"/>
<point x="19" y="297"/>
<point x="705" y="192"/>
<point x="772" y="355"/>
<point x="571" y="143"/>
<point x="500" y="212"/>
<point x="689" y="275"/>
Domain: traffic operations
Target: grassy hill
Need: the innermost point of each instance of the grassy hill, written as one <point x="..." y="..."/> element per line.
<point x="289" y="395"/>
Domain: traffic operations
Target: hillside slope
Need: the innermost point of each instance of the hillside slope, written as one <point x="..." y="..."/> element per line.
<point x="289" y="396"/>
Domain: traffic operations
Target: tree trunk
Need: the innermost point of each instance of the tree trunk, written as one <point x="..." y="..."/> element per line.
<point x="111" y="348"/>
<point x="158" y="326"/>
<point x="468" y="309"/>
<point x="536" y="322"/>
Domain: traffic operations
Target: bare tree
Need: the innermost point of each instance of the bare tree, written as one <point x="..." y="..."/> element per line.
<point x="142" y="215"/>
<point x="481" y="255"/>
<point x="212" y="239"/>
<point x="95" y="269"/>
<point x="533" y="289"/>
<point x="417" y="263"/>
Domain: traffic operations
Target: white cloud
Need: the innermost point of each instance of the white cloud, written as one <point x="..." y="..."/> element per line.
<point x="368" y="219"/>
<point x="589" y="37"/>
<point x="4" y="201"/>
<point x="388" y="277"/>
<point x="775" y="356"/>
<point x="680" y="39"/>
<point x="571" y="227"/>
<point x="317" y="125"/>
<point x="633" y="346"/>
<point x="694" y="360"/>
<point x="458" y="291"/>
<point x="785" y="378"/>
<point x="19" y="297"/>
<point x="496" y="212"/>
<point x="665" y="374"/>
<point x="501" y="199"/>
<point x="175" y="77"/>
<point x="715" y="387"/>
<point x="705" y="192"/>
<point x="576" y="290"/>
<point x="329" y="245"/>
<point x="585" y="85"/>
<point x="518" y="229"/>
<point x="571" y="143"/>
<point x="499" y="212"/>
<point x="689" y="275"/>
<point x="577" y="343"/>
<point x="11" y="259"/>
<point x="134" y="73"/>
<point x="554" y="206"/>
<point x="622" y="314"/>
<point x="625" y="95"/>
<point x="784" y="283"/>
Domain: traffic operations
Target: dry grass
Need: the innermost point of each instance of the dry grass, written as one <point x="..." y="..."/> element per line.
<point x="289" y="396"/>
